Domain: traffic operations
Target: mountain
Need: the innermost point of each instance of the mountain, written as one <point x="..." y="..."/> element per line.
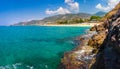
<point x="33" y="22"/>
<point x="54" y="19"/>
<point x="100" y="13"/>
<point x="67" y="17"/>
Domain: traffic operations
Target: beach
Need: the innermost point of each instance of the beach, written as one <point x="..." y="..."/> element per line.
<point x="74" y="25"/>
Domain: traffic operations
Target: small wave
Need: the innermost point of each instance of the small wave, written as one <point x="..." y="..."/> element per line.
<point x="31" y="67"/>
<point x="46" y="66"/>
<point x="1" y="67"/>
<point x="15" y="66"/>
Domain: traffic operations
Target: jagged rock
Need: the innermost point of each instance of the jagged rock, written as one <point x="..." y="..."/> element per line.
<point x="110" y="48"/>
<point x="99" y="51"/>
<point x="97" y="40"/>
<point x="113" y="37"/>
<point x="98" y="28"/>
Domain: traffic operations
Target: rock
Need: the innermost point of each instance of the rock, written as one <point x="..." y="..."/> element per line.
<point x="100" y="50"/>
<point x="97" y="40"/>
<point x="98" y="28"/>
<point x="79" y="57"/>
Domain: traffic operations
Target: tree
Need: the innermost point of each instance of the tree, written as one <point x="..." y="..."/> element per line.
<point x="97" y="18"/>
<point x="62" y="21"/>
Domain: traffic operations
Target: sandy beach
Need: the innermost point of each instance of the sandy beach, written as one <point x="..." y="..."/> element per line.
<point x="74" y="25"/>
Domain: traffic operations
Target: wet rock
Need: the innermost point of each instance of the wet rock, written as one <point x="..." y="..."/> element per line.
<point x="79" y="58"/>
<point x="98" y="50"/>
<point x="97" y="40"/>
<point x="98" y="28"/>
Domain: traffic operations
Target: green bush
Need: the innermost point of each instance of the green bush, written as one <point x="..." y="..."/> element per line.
<point x="97" y="18"/>
<point x="72" y="21"/>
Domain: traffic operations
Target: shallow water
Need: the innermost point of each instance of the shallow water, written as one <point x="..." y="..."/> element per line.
<point x="35" y="47"/>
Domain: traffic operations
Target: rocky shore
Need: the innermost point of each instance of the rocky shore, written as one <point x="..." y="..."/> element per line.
<point x="98" y="49"/>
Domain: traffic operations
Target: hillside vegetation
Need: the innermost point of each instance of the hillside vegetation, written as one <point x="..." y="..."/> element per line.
<point x="65" y="19"/>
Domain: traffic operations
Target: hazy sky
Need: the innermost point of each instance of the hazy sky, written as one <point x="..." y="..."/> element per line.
<point x="13" y="11"/>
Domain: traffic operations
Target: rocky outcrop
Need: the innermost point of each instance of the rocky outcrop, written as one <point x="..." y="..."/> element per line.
<point x="112" y="42"/>
<point x="84" y="55"/>
<point x="99" y="49"/>
<point x="80" y="57"/>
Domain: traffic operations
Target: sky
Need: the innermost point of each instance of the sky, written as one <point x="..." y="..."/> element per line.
<point x="14" y="11"/>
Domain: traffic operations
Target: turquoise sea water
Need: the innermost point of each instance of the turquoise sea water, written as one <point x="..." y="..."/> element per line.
<point x="35" y="47"/>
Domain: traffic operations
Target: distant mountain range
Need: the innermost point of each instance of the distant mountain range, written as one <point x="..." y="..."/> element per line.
<point x="100" y="13"/>
<point x="53" y="19"/>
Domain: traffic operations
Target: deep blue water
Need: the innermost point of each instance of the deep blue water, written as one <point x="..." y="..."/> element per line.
<point x="35" y="47"/>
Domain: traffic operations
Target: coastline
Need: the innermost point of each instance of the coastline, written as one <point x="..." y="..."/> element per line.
<point x="83" y="56"/>
<point x="100" y="49"/>
<point x="73" y="25"/>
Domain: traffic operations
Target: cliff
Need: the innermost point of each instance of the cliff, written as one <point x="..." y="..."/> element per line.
<point x="100" y="48"/>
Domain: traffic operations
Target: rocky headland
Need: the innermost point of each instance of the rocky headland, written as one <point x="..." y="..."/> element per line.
<point x="99" y="48"/>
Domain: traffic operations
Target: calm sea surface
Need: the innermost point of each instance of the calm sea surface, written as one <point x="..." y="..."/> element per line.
<point x="35" y="47"/>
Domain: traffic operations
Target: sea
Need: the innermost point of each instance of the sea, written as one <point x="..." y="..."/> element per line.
<point x="36" y="47"/>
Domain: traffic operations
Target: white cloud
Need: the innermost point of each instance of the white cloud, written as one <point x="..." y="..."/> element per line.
<point x="60" y="10"/>
<point x="72" y="7"/>
<point x="99" y="6"/>
<point x="69" y="1"/>
<point x="110" y="5"/>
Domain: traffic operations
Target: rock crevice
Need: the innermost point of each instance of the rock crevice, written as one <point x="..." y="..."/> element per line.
<point x="100" y="50"/>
